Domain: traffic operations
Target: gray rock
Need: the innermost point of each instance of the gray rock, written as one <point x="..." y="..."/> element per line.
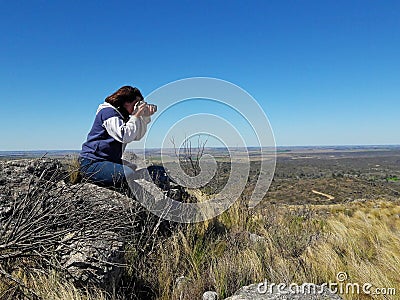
<point x="91" y="255"/>
<point x="255" y="238"/>
<point x="96" y="257"/>
<point x="180" y="282"/>
<point x="210" y="295"/>
<point x="254" y="292"/>
<point x="99" y="261"/>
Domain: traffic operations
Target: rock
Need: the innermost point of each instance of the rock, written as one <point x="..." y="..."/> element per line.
<point x="129" y="156"/>
<point x="90" y="237"/>
<point x="180" y="282"/>
<point x="16" y="175"/>
<point x="98" y="261"/>
<point x="262" y="292"/>
<point x="174" y="193"/>
<point x="255" y="238"/>
<point x="210" y="295"/>
<point x="47" y="168"/>
<point x="96" y="257"/>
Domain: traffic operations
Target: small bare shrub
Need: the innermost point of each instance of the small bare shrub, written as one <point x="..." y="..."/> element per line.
<point x="73" y="169"/>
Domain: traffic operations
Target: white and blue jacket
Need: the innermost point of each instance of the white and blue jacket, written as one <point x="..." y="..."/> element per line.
<point x="110" y="133"/>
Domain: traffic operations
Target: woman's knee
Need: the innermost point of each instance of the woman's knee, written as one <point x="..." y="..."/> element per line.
<point x="129" y="172"/>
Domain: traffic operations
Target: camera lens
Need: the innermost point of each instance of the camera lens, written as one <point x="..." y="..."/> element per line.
<point x="154" y="107"/>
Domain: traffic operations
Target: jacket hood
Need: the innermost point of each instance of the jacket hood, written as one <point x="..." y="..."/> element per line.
<point x="120" y="110"/>
<point x="104" y="105"/>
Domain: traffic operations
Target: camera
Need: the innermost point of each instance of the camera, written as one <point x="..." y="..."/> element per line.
<point x="146" y="111"/>
<point x="154" y="106"/>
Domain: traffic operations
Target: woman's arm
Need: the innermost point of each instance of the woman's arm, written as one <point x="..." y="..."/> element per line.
<point x="133" y="130"/>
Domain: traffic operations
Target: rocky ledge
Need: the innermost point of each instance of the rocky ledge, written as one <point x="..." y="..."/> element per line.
<point x="81" y="229"/>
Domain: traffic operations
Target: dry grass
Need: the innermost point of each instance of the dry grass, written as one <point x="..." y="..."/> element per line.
<point x="295" y="244"/>
<point x="37" y="285"/>
<point x="219" y="254"/>
<point x="73" y="166"/>
<point x="364" y="242"/>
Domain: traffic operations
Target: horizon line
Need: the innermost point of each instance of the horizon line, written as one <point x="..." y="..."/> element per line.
<point x="278" y="146"/>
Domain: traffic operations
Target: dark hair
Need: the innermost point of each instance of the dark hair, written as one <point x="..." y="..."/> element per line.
<point x="124" y="94"/>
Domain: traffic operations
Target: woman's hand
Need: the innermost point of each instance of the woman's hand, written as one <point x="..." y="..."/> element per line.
<point x="140" y="110"/>
<point x="145" y="110"/>
<point x="151" y="110"/>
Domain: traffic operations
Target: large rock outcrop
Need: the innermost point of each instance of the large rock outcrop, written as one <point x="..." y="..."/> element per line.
<point x="80" y="229"/>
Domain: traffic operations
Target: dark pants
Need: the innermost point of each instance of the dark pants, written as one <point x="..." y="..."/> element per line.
<point x="110" y="174"/>
<point x="107" y="173"/>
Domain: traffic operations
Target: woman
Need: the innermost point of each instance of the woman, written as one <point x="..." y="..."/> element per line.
<point x="121" y="119"/>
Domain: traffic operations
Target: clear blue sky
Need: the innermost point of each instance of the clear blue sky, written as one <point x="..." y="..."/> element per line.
<point x="325" y="72"/>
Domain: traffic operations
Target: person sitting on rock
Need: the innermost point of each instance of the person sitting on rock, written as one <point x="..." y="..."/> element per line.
<point x="121" y="119"/>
